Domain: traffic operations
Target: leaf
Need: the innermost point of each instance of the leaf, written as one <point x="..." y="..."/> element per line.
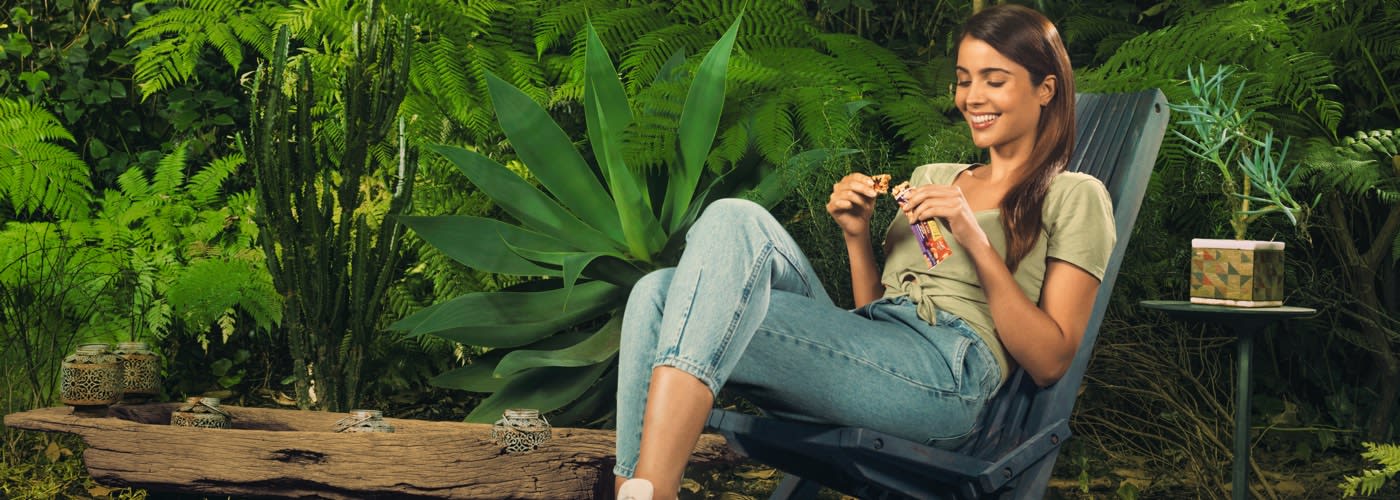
<point x="51" y="452"/>
<point x="757" y="474"/>
<point x="480" y="375"/>
<point x="608" y="116"/>
<point x="597" y="348"/>
<point x="99" y="491"/>
<point x="593" y="407"/>
<point x="610" y="267"/>
<point x="524" y="202"/>
<point x="476" y="377"/>
<point x="699" y="122"/>
<point x="509" y="319"/>
<point x="691" y="485"/>
<point x="485" y="244"/>
<point x="543" y="389"/>
<point x="551" y="156"/>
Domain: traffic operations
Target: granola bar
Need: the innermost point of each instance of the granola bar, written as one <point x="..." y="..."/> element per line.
<point x="930" y="237"/>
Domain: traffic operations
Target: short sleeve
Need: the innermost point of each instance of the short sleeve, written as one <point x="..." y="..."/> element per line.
<point x="1080" y="225"/>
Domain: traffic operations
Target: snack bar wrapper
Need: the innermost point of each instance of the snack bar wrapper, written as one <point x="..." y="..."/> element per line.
<point x="927" y="233"/>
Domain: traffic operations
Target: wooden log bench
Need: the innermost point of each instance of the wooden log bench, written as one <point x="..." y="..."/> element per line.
<point x="272" y="452"/>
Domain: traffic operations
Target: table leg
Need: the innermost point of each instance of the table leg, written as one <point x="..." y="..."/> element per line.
<point x="1240" y="475"/>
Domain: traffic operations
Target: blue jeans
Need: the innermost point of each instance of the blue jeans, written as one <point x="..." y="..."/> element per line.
<point x="743" y="309"/>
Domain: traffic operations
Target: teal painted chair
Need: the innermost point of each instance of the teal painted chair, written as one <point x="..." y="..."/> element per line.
<point x="1013" y="450"/>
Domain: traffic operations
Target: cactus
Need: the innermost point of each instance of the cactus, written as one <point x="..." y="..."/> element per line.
<point x="324" y="256"/>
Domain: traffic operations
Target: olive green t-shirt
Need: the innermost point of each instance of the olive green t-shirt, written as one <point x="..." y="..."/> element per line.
<point x="1078" y="228"/>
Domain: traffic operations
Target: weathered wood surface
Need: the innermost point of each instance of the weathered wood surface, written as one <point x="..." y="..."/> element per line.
<point x="297" y="454"/>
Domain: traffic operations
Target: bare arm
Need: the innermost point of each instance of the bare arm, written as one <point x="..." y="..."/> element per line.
<point x="865" y="273"/>
<point x="1041" y="339"/>
<point x="851" y="205"/>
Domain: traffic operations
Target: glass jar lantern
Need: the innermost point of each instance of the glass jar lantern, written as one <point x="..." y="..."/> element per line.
<point x="521" y="430"/>
<point x="92" y="378"/>
<point x="140" y="371"/>
<point x="201" y="412"/>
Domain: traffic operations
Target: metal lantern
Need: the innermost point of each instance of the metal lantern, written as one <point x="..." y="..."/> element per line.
<point x="92" y="378"/>
<point x="521" y="430"/>
<point x="363" y="421"/>
<point x="140" y="371"/>
<point x="201" y="412"/>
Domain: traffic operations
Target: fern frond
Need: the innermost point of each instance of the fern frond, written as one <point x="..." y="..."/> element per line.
<point x="644" y="59"/>
<point x="1349" y="171"/>
<point x="565" y="21"/>
<point x="733" y="144"/>
<point x="329" y="21"/>
<point x="619" y="27"/>
<point x="204" y="185"/>
<point x="774" y="129"/>
<point x="37" y="175"/>
<point x="178" y="35"/>
<point x="133" y="184"/>
<point x="874" y="66"/>
<point x="1372" y="480"/>
<point x="170" y="171"/>
<point x="822" y="117"/>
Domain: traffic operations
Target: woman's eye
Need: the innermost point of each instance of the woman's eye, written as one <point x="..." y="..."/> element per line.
<point x="996" y="84"/>
<point x="964" y="83"/>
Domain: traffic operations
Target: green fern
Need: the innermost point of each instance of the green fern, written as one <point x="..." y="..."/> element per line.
<point x="460" y="45"/>
<point x="791" y="86"/>
<point x="37" y="175"/>
<point x="1372" y="480"/>
<point x="174" y="38"/>
<point x="1259" y="35"/>
<point x="1361" y="55"/>
<point x="1370" y="166"/>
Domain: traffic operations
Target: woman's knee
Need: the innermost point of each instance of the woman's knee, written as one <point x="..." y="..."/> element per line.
<point x="651" y="287"/>
<point x="731" y="214"/>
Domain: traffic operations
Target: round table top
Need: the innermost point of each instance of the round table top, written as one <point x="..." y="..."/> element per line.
<point x="1207" y="311"/>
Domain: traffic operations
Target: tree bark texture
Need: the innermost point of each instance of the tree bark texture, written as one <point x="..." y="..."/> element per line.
<point x="297" y="454"/>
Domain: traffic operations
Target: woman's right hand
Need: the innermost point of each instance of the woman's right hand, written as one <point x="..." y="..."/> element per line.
<point x="852" y="203"/>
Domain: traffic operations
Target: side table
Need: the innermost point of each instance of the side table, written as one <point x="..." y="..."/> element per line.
<point x="1245" y="322"/>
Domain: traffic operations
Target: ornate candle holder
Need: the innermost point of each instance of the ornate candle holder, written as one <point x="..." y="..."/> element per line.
<point x="201" y="412"/>
<point x="521" y="430"/>
<point x="140" y="371"/>
<point x="91" y="379"/>
<point x="363" y="421"/>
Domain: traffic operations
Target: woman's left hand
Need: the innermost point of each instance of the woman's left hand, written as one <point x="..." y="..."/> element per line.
<point x="945" y="202"/>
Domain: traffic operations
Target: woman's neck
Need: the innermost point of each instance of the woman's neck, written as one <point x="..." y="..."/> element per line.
<point x="1006" y="165"/>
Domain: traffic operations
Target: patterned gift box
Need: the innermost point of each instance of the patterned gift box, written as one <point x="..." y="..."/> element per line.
<point x="1237" y="273"/>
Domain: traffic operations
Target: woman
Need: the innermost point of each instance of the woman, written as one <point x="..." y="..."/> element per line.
<point x="927" y="347"/>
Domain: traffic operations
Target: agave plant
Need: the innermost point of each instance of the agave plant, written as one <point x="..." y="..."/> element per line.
<point x="553" y="340"/>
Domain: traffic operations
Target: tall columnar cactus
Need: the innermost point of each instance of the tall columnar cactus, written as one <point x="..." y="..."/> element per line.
<point x="331" y="263"/>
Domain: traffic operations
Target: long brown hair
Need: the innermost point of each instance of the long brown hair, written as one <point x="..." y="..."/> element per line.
<point x="1028" y="38"/>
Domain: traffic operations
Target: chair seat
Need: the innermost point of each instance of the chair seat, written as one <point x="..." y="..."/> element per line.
<point x="914" y="468"/>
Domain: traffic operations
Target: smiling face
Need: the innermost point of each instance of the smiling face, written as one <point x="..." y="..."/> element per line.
<point x="998" y="98"/>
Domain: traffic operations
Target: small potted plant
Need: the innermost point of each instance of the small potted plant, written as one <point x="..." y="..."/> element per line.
<point x="1255" y="177"/>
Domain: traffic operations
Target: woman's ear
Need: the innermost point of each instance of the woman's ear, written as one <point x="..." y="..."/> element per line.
<point x="1046" y="90"/>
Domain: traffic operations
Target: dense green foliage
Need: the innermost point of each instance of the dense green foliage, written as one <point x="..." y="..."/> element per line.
<point x="127" y="209"/>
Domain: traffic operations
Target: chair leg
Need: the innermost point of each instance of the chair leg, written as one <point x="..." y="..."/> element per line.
<point x="1035" y="479"/>
<point x="793" y="487"/>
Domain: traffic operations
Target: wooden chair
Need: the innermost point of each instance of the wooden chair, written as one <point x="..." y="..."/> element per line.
<point x="1013" y="450"/>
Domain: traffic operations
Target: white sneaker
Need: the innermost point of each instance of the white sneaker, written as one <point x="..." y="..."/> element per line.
<point x="635" y="489"/>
